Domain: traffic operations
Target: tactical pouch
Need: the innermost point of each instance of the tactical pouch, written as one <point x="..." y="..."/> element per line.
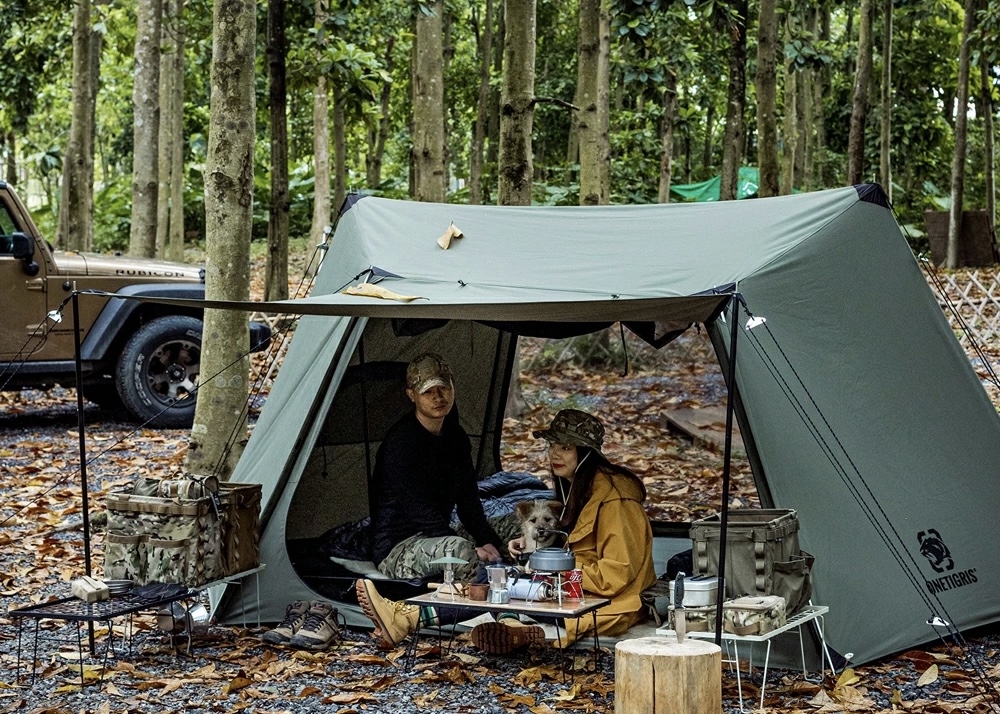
<point x="753" y="615"/>
<point x="240" y="507"/>
<point x="125" y="557"/>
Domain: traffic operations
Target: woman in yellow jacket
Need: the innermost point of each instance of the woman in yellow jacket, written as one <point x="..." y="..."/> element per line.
<point x="609" y="533"/>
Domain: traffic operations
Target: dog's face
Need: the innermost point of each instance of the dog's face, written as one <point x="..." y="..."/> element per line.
<point x="535" y="515"/>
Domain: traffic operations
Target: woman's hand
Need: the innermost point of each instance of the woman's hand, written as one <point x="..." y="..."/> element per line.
<point x="488" y="553"/>
<point x="517" y="546"/>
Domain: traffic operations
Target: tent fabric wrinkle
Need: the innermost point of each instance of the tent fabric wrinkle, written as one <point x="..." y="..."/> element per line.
<point x="857" y="406"/>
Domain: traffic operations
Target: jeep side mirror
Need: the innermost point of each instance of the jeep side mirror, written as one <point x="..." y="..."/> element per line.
<point x="23" y="248"/>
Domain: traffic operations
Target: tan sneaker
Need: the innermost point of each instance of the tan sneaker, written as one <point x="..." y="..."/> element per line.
<point x="394" y="620"/>
<point x="505" y="636"/>
<point x="320" y="628"/>
<point x="295" y="615"/>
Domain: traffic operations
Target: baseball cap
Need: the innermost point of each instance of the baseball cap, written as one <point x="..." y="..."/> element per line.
<point x="426" y="371"/>
<point x="573" y="427"/>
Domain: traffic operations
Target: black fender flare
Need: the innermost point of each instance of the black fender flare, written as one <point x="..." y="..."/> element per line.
<point x="117" y="311"/>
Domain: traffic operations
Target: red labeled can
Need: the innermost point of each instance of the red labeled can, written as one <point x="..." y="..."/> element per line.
<point x="573" y="589"/>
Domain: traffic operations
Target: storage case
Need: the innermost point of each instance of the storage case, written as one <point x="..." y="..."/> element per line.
<point x="762" y="554"/>
<point x="699" y="591"/>
<point x="753" y="615"/>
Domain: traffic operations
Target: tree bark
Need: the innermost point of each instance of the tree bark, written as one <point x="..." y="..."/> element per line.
<point x="859" y="103"/>
<point x="219" y="431"/>
<point x="885" y="135"/>
<point x="517" y="104"/>
<point x="493" y="125"/>
<point x="165" y="139"/>
<point x="175" y="229"/>
<point x="321" y="147"/>
<point x="732" y="141"/>
<point x="428" y="105"/>
<point x="380" y="132"/>
<point x="819" y="87"/>
<point x="989" y="147"/>
<point x="790" y="123"/>
<point x="145" y="135"/>
<point x="74" y="228"/>
<point x="592" y="97"/>
<point x="339" y="149"/>
<point x="276" y="270"/>
<point x="11" y="167"/>
<point x="667" y="133"/>
<point x="961" y="136"/>
<point x="767" y="122"/>
<point x="479" y="133"/>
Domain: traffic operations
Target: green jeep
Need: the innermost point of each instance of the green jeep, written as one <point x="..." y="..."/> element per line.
<point x="142" y="356"/>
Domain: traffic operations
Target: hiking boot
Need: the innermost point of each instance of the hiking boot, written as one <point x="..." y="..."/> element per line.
<point x="505" y="636"/>
<point x="295" y="615"/>
<point x="393" y="620"/>
<point x="320" y="628"/>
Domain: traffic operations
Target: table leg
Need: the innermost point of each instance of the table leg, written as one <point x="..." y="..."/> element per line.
<point x="79" y="647"/>
<point x="17" y="671"/>
<point x="739" y="674"/>
<point x="597" y="643"/>
<point x="256" y="579"/>
<point x="34" y="652"/>
<point x="763" y="681"/>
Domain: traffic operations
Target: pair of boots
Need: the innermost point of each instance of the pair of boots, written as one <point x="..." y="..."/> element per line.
<point x="307" y="625"/>
<point x="395" y="620"/>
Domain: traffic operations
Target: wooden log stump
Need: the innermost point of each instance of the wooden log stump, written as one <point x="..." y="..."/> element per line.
<point x="656" y="675"/>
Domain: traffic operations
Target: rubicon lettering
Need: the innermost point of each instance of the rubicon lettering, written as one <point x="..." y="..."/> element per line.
<point x="933" y="548"/>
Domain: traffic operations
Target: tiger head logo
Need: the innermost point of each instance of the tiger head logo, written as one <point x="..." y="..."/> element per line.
<point x="936" y="552"/>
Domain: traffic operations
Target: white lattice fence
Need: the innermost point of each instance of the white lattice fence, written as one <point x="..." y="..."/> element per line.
<point x="975" y="294"/>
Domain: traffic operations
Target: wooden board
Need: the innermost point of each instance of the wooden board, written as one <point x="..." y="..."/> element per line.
<point x="705" y="426"/>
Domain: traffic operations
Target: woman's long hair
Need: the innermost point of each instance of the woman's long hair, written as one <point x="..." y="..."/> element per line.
<point x="577" y="492"/>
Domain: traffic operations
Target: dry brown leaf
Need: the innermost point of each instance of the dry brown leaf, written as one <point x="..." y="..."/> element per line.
<point x="349" y="698"/>
<point x="235" y="684"/>
<point x="929" y="676"/>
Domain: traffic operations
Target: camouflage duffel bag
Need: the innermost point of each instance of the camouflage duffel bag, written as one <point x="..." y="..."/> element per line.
<point x="753" y="615"/>
<point x="168" y="540"/>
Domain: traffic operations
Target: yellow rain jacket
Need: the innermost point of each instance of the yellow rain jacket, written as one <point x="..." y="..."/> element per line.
<point x="613" y="544"/>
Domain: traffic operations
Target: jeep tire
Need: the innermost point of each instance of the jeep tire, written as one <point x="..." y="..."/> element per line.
<point x="157" y="373"/>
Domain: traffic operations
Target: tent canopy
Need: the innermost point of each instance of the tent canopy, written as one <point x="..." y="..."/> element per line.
<point x="858" y="407"/>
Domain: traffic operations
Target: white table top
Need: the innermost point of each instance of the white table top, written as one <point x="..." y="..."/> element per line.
<point x="806" y="614"/>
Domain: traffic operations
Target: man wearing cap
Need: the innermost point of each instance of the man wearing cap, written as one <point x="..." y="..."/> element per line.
<point x="423" y="470"/>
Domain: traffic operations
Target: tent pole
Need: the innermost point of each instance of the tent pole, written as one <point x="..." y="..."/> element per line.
<point x="734" y="330"/>
<point x="80" y="428"/>
<point x="364" y="405"/>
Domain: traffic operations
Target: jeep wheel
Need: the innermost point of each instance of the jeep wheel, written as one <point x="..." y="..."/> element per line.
<point x="158" y="370"/>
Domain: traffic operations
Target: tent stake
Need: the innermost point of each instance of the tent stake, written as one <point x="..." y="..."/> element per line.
<point x="80" y="425"/>
<point x="734" y="329"/>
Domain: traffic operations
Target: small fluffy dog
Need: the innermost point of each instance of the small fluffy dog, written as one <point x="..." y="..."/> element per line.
<point x="535" y="515"/>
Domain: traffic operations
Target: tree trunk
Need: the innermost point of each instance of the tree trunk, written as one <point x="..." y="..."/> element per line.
<point x="790" y="122"/>
<point x="276" y="271"/>
<point x="819" y="87"/>
<point x="339" y="149"/>
<point x="885" y="136"/>
<point x="493" y="124"/>
<point x="482" y="111"/>
<point x="376" y="143"/>
<point x="807" y="78"/>
<point x="321" y="147"/>
<point x="732" y="149"/>
<point x="74" y="228"/>
<point x="706" y="149"/>
<point x="428" y="105"/>
<point x="859" y="103"/>
<point x="11" y="167"/>
<point x="961" y="136"/>
<point x="988" y="145"/>
<point x="517" y="104"/>
<point x="145" y="135"/>
<point x="592" y="95"/>
<point x="219" y="431"/>
<point x="767" y="121"/>
<point x="175" y="229"/>
<point x="667" y="133"/>
<point x="165" y="139"/>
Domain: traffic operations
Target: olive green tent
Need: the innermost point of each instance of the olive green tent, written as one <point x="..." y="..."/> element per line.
<point x="857" y="405"/>
<point x="747" y="182"/>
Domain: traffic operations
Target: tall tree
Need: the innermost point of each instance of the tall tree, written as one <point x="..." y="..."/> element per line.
<point x="732" y="141"/>
<point x="493" y="123"/>
<point x="885" y="136"/>
<point x="378" y="131"/>
<point x="321" y="138"/>
<point x="219" y="431"/>
<point x="790" y="123"/>
<point x="667" y="135"/>
<point x="988" y="144"/>
<point x="169" y="49"/>
<point x="961" y="140"/>
<point x="767" y="103"/>
<point x="859" y="101"/>
<point x="175" y="228"/>
<point x="10" y="169"/>
<point x="339" y="147"/>
<point x="430" y="177"/>
<point x="482" y="108"/>
<point x="517" y="101"/>
<point x="75" y="207"/>
<point x="146" y="129"/>
<point x="276" y="272"/>
<point x="593" y="94"/>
